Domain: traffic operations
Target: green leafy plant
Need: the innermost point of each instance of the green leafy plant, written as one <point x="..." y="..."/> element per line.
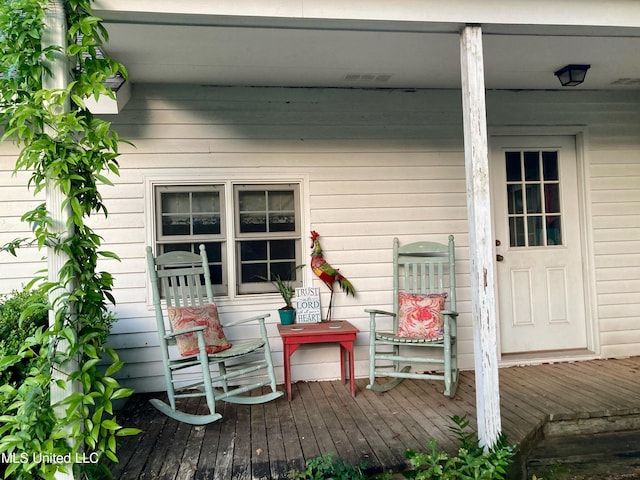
<point x="284" y="286"/>
<point x="329" y="467"/>
<point x="472" y="461"/>
<point x="15" y="328"/>
<point x="64" y="147"/>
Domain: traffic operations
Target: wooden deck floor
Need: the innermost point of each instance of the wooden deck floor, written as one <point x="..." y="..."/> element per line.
<point x="266" y="441"/>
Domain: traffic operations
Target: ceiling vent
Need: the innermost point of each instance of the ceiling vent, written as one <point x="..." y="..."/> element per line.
<point x="630" y="82"/>
<point x="367" y="77"/>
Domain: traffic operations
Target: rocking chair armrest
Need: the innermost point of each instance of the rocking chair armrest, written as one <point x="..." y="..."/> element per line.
<point x="379" y="312"/>
<point x="259" y="318"/>
<point x="372" y="316"/>
<point x="171" y="335"/>
<point x="450" y="313"/>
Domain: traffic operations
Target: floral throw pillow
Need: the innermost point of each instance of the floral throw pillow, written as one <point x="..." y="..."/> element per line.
<point x="420" y="315"/>
<point x="182" y="318"/>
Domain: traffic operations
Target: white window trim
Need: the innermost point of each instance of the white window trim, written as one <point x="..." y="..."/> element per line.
<point x="222" y="177"/>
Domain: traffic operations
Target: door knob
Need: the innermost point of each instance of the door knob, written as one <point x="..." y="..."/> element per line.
<point x="499" y="258"/>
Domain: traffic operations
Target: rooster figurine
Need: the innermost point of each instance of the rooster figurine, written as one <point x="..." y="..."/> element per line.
<point x="326" y="272"/>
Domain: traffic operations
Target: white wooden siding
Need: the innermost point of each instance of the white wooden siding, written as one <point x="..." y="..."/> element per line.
<point x="376" y="164"/>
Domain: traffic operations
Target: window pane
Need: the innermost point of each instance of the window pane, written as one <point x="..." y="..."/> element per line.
<point x="253" y="273"/>
<point x="514" y="194"/>
<point x="176" y="225"/>
<point x="282" y="214"/>
<point x="175" y="214"/>
<point x="176" y="247"/>
<point x="535" y="236"/>
<point x="281" y="200"/>
<point x="206" y="224"/>
<point x="253" y="211"/>
<point x="550" y="165"/>
<point x="285" y="270"/>
<point x="253" y="250"/>
<point x="282" y="249"/>
<point x="516" y="232"/>
<point x="534" y="202"/>
<point x="514" y="170"/>
<point x="554" y="230"/>
<point x="252" y="222"/>
<point x="175" y="202"/>
<point x="531" y="166"/>
<point x="282" y="222"/>
<point x="552" y="198"/>
<point x="251" y="200"/>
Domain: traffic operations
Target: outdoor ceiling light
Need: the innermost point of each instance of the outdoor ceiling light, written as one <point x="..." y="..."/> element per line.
<point x="572" y="75"/>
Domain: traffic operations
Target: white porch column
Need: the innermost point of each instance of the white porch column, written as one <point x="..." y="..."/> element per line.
<point x="55" y="33"/>
<point x="480" y="236"/>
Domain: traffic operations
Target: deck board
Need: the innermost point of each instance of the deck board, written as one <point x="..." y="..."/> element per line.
<point x="266" y="441"/>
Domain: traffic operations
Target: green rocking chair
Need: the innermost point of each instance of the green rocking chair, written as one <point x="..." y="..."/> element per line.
<point x="423" y="281"/>
<point x="242" y="367"/>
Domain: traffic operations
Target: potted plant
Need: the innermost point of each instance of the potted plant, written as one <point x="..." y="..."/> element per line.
<point x="286" y="291"/>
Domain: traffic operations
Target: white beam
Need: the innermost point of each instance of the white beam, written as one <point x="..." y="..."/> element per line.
<point x="55" y="34"/>
<point x="480" y="236"/>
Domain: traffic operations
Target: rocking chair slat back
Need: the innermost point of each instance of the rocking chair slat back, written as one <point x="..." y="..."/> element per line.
<point x="418" y="268"/>
<point x="182" y="279"/>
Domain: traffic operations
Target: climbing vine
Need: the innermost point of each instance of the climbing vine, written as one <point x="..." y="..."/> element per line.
<point x="62" y="146"/>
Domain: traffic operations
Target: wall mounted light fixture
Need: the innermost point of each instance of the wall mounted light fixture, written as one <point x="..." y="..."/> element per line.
<point x="572" y="75"/>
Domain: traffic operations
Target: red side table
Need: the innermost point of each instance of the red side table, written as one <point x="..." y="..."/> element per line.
<point x="336" y="331"/>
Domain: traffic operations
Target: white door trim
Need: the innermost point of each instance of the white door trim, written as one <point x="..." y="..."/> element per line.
<point x="581" y="134"/>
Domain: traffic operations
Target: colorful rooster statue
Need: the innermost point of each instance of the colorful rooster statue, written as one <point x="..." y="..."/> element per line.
<point x="326" y="272"/>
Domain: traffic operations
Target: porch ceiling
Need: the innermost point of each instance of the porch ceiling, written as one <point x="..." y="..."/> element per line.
<point x="260" y="51"/>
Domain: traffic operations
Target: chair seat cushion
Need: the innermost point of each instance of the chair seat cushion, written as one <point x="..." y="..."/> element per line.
<point x="420" y="315"/>
<point x="182" y="318"/>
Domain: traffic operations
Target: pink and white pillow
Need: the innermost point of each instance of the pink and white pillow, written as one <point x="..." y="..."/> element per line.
<point x="182" y="318"/>
<point x="420" y="315"/>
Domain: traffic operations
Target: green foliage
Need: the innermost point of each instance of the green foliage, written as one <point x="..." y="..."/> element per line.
<point x="62" y="146"/>
<point x="284" y="286"/>
<point x="328" y="467"/>
<point x="21" y="314"/>
<point x="472" y="461"/>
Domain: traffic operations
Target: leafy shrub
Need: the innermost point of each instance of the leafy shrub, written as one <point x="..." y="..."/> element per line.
<point x="328" y="467"/>
<point x="472" y="461"/>
<point x="21" y="314"/>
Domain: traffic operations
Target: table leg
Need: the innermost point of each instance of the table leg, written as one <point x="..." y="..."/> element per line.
<point x="346" y="348"/>
<point x="287" y="369"/>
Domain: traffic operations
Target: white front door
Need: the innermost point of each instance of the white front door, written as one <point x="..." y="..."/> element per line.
<point x="541" y="300"/>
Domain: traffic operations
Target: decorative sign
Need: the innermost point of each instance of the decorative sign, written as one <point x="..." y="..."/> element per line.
<point x="308" y="305"/>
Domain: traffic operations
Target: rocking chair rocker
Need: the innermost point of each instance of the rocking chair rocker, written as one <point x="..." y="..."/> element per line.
<point x="247" y="364"/>
<point x="419" y="296"/>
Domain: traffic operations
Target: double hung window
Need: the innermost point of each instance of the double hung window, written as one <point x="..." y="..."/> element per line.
<point x="251" y="231"/>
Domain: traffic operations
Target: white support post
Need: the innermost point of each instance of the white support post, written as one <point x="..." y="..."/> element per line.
<point x="480" y="236"/>
<point x="55" y="33"/>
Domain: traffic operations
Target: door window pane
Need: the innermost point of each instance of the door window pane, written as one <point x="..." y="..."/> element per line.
<point x="550" y="165"/>
<point x="533" y="198"/>
<point x="534" y="202"/>
<point x="535" y="234"/>
<point x="516" y="232"/>
<point x="552" y="198"/>
<point x="514" y="198"/>
<point x="531" y="166"/>
<point x="514" y="168"/>
<point x="554" y="232"/>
